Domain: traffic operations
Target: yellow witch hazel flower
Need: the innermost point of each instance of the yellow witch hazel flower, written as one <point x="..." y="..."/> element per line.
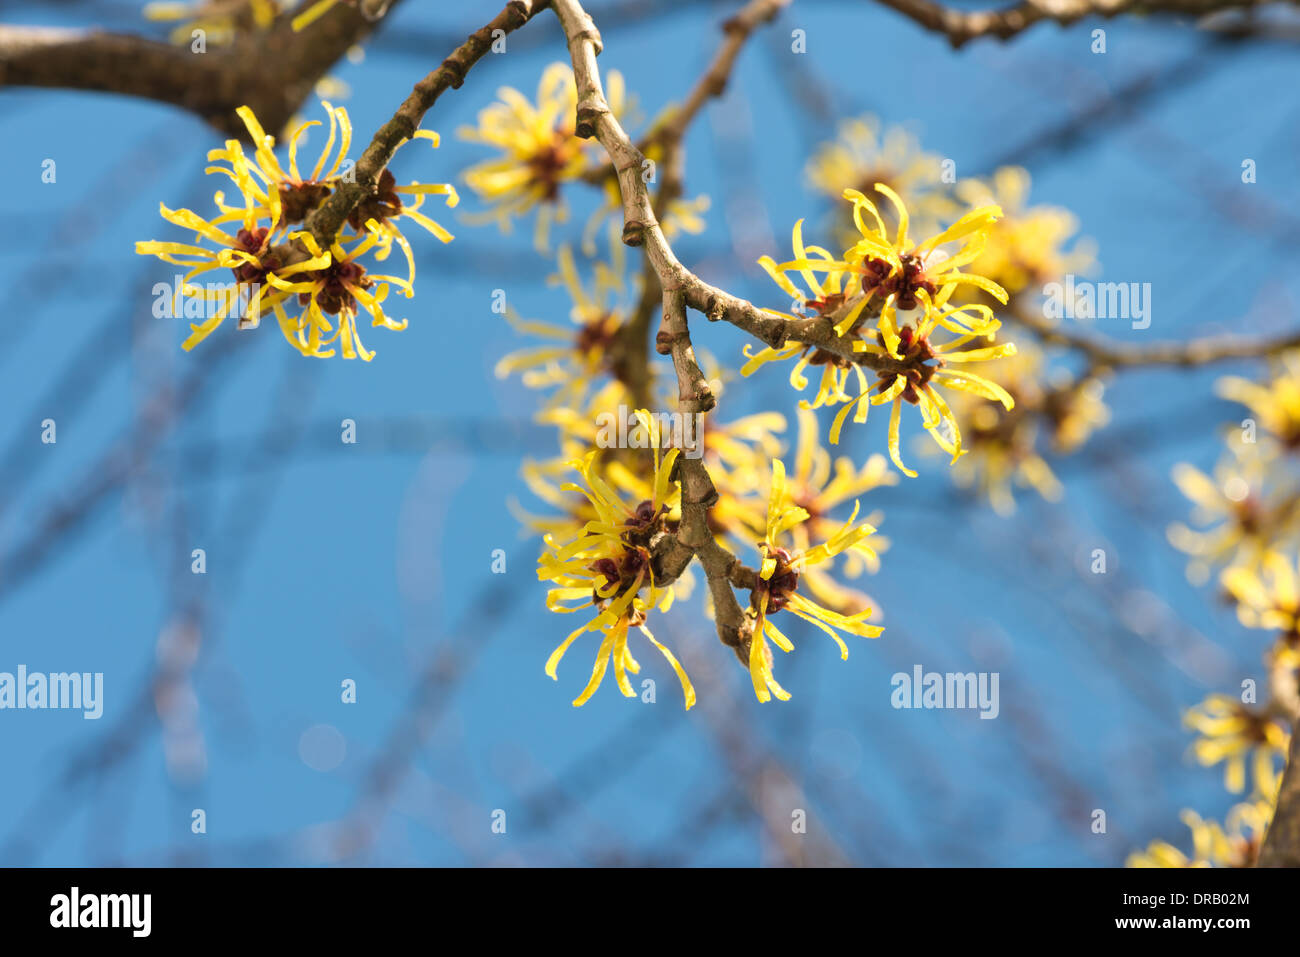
<point x="831" y="298"/>
<point x="1269" y="597"/>
<point x="574" y="357"/>
<point x="608" y="567"/>
<point x="539" y="151"/>
<point x="778" y="583"/>
<point x="1235" y="843"/>
<point x="283" y="197"/>
<point x="894" y="278"/>
<point x="1002" y="447"/>
<point x="1235" y="733"/>
<point x="340" y="288"/>
<point x="1275" y="406"/>
<point x="267" y="255"/>
<point x="1213" y="845"/>
<point x="820" y="486"/>
<point x="917" y="367"/>
<point x="865" y="153"/>
<point x="1026" y="247"/>
<point x="1243" y="512"/>
<point x="901" y="271"/>
<point x="1164" y="854"/>
<point x="248" y="255"/>
<point x="299" y="196"/>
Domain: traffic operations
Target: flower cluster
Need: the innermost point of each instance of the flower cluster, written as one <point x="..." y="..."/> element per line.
<point x="609" y="566"/>
<point x="889" y="302"/>
<point x="877" y="317"/>
<point x="777" y="589"/>
<point x="575" y="356"/>
<point x="605" y="537"/>
<point x="315" y="289"/>
<point x="1019" y="251"/>
<point x="864" y="153"/>
<point x="1248" y="512"/>
<point x="1235" y="843"/>
<point x="539" y="151"/>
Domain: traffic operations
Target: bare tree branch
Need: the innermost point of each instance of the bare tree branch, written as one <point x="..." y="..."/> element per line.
<point x="962" y="26"/>
<point x="1107" y="354"/>
<point x="273" y="70"/>
<point x="1281" y="846"/>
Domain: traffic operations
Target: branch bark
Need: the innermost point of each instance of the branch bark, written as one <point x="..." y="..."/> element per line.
<point x="681" y="288"/>
<point x="962" y="26"/>
<point x="325" y="222"/>
<point x="1103" y="354"/>
<point x="273" y="71"/>
<point x="1282" y="842"/>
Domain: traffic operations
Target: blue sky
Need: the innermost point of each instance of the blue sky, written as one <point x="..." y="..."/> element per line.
<point x="372" y="561"/>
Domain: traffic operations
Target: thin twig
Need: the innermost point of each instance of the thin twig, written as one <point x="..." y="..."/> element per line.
<point x="325" y="222"/>
<point x="680" y="288"/>
<point x="962" y="26"/>
<point x="1105" y="354"/>
<point x="1281" y="847"/>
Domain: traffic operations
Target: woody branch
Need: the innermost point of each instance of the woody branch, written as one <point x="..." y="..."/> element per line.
<point x="680" y="289"/>
<point x="272" y="70"/>
<point x="325" y="222"/>
<point x="631" y="355"/>
<point x="962" y="26"/>
<point x="1102" y="354"/>
<point x="1281" y="847"/>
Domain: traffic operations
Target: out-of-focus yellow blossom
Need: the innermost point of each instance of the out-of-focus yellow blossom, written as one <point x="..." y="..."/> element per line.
<point x="685" y="216"/>
<point x="737" y="454"/>
<point x="606" y="567"/>
<point x="329" y="282"/>
<point x="820" y="486"/>
<point x="574" y="357"/>
<point x="1026" y="247"/>
<point x="1074" y="409"/>
<point x="740" y="449"/>
<point x="1242" y="510"/>
<point x="1002" y="445"/>
<point x="1213" y="845"/>
<point x="1266" y="597"/>
<point x="1269" y="597"/>
<point x="1237" y="734"/>
<point x="864" y="154"/>
<point x="539" y="151"/>
<point x="778" y="582"/>
<point x="1163" y="854"/>
<point x="220" y="20"/>
<point x="1274" y="405"/>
